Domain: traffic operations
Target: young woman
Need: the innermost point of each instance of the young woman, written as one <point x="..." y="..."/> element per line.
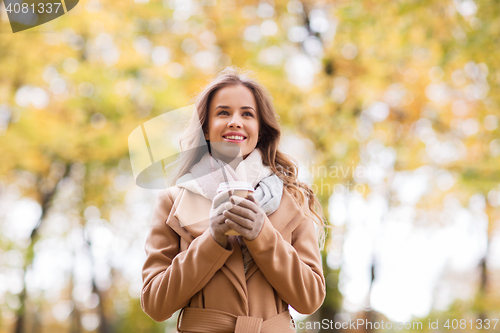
<point x="242" y="283"/>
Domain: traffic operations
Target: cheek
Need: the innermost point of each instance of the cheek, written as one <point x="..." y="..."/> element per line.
<point x="256" y="130"/>
<point x="215" y="126"/>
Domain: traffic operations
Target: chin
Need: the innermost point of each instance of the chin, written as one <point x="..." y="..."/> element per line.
<point x="225" y="150"/>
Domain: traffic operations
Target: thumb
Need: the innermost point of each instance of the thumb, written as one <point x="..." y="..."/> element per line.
<point x="236" y="200"/>
<point x="253" y="199"/>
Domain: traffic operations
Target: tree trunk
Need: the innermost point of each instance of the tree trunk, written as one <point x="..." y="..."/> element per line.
<point x="104" y="326"/>
<point x="46" y="204"/>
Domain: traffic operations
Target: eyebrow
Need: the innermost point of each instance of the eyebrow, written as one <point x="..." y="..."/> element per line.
<point x="243" y="107"/>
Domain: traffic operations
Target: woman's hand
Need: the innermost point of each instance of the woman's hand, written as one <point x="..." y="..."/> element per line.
<point x="245" y="217"/>
<point x="218" y="227"/>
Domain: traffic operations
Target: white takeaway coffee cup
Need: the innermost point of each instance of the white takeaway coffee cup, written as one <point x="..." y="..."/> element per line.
<point x="238" y="188"/>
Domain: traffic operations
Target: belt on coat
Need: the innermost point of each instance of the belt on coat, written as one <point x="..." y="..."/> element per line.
<point x="199" y="320"/>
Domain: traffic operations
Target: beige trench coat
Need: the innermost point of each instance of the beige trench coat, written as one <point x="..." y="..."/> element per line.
<point x="185" y="267"/>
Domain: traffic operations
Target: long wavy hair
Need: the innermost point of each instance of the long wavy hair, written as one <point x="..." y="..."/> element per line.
<point x="194" y="145"/>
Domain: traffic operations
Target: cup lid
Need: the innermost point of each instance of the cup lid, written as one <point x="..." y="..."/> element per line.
<point x="235" y="185"/>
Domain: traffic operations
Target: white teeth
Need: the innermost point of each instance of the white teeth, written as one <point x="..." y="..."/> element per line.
<point x="234" y="137"/>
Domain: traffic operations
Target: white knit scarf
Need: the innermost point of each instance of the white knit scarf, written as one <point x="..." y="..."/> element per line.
<point x="208" y="173"/>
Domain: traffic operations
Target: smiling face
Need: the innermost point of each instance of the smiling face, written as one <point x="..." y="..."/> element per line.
<point x="233" y="119"/>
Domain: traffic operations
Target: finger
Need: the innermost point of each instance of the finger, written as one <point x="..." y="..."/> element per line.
<point x="252" y="198"/>
<point x="243" y="212"/>
<point x="220" y="198"/>
<point x="221" y="208"/>
<point x="235" y="226"/>
<point x="247" y="204"/>
<point x="219" y="219"/>
<point x="224" y="227"/>
<point x="236" y="199"/>
<point x="246" y="223"/>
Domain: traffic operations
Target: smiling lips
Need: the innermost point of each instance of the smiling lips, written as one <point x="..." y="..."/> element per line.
<point x="234" y="137"/>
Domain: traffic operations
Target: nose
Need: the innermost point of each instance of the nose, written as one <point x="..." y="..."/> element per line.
<point x="234" y="122"/>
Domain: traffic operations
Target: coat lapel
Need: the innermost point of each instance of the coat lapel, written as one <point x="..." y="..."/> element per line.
<point x="287" y="214"/>
<point x="192" y="210"/>
<point x="174" y="222"/>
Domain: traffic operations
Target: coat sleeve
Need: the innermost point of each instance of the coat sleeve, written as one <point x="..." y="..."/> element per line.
<point x="170" y="278"/>
<point x="294" y="270"/>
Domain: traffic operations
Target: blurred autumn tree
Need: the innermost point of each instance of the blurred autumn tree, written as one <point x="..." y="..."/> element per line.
<point x="420" y="78"/>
